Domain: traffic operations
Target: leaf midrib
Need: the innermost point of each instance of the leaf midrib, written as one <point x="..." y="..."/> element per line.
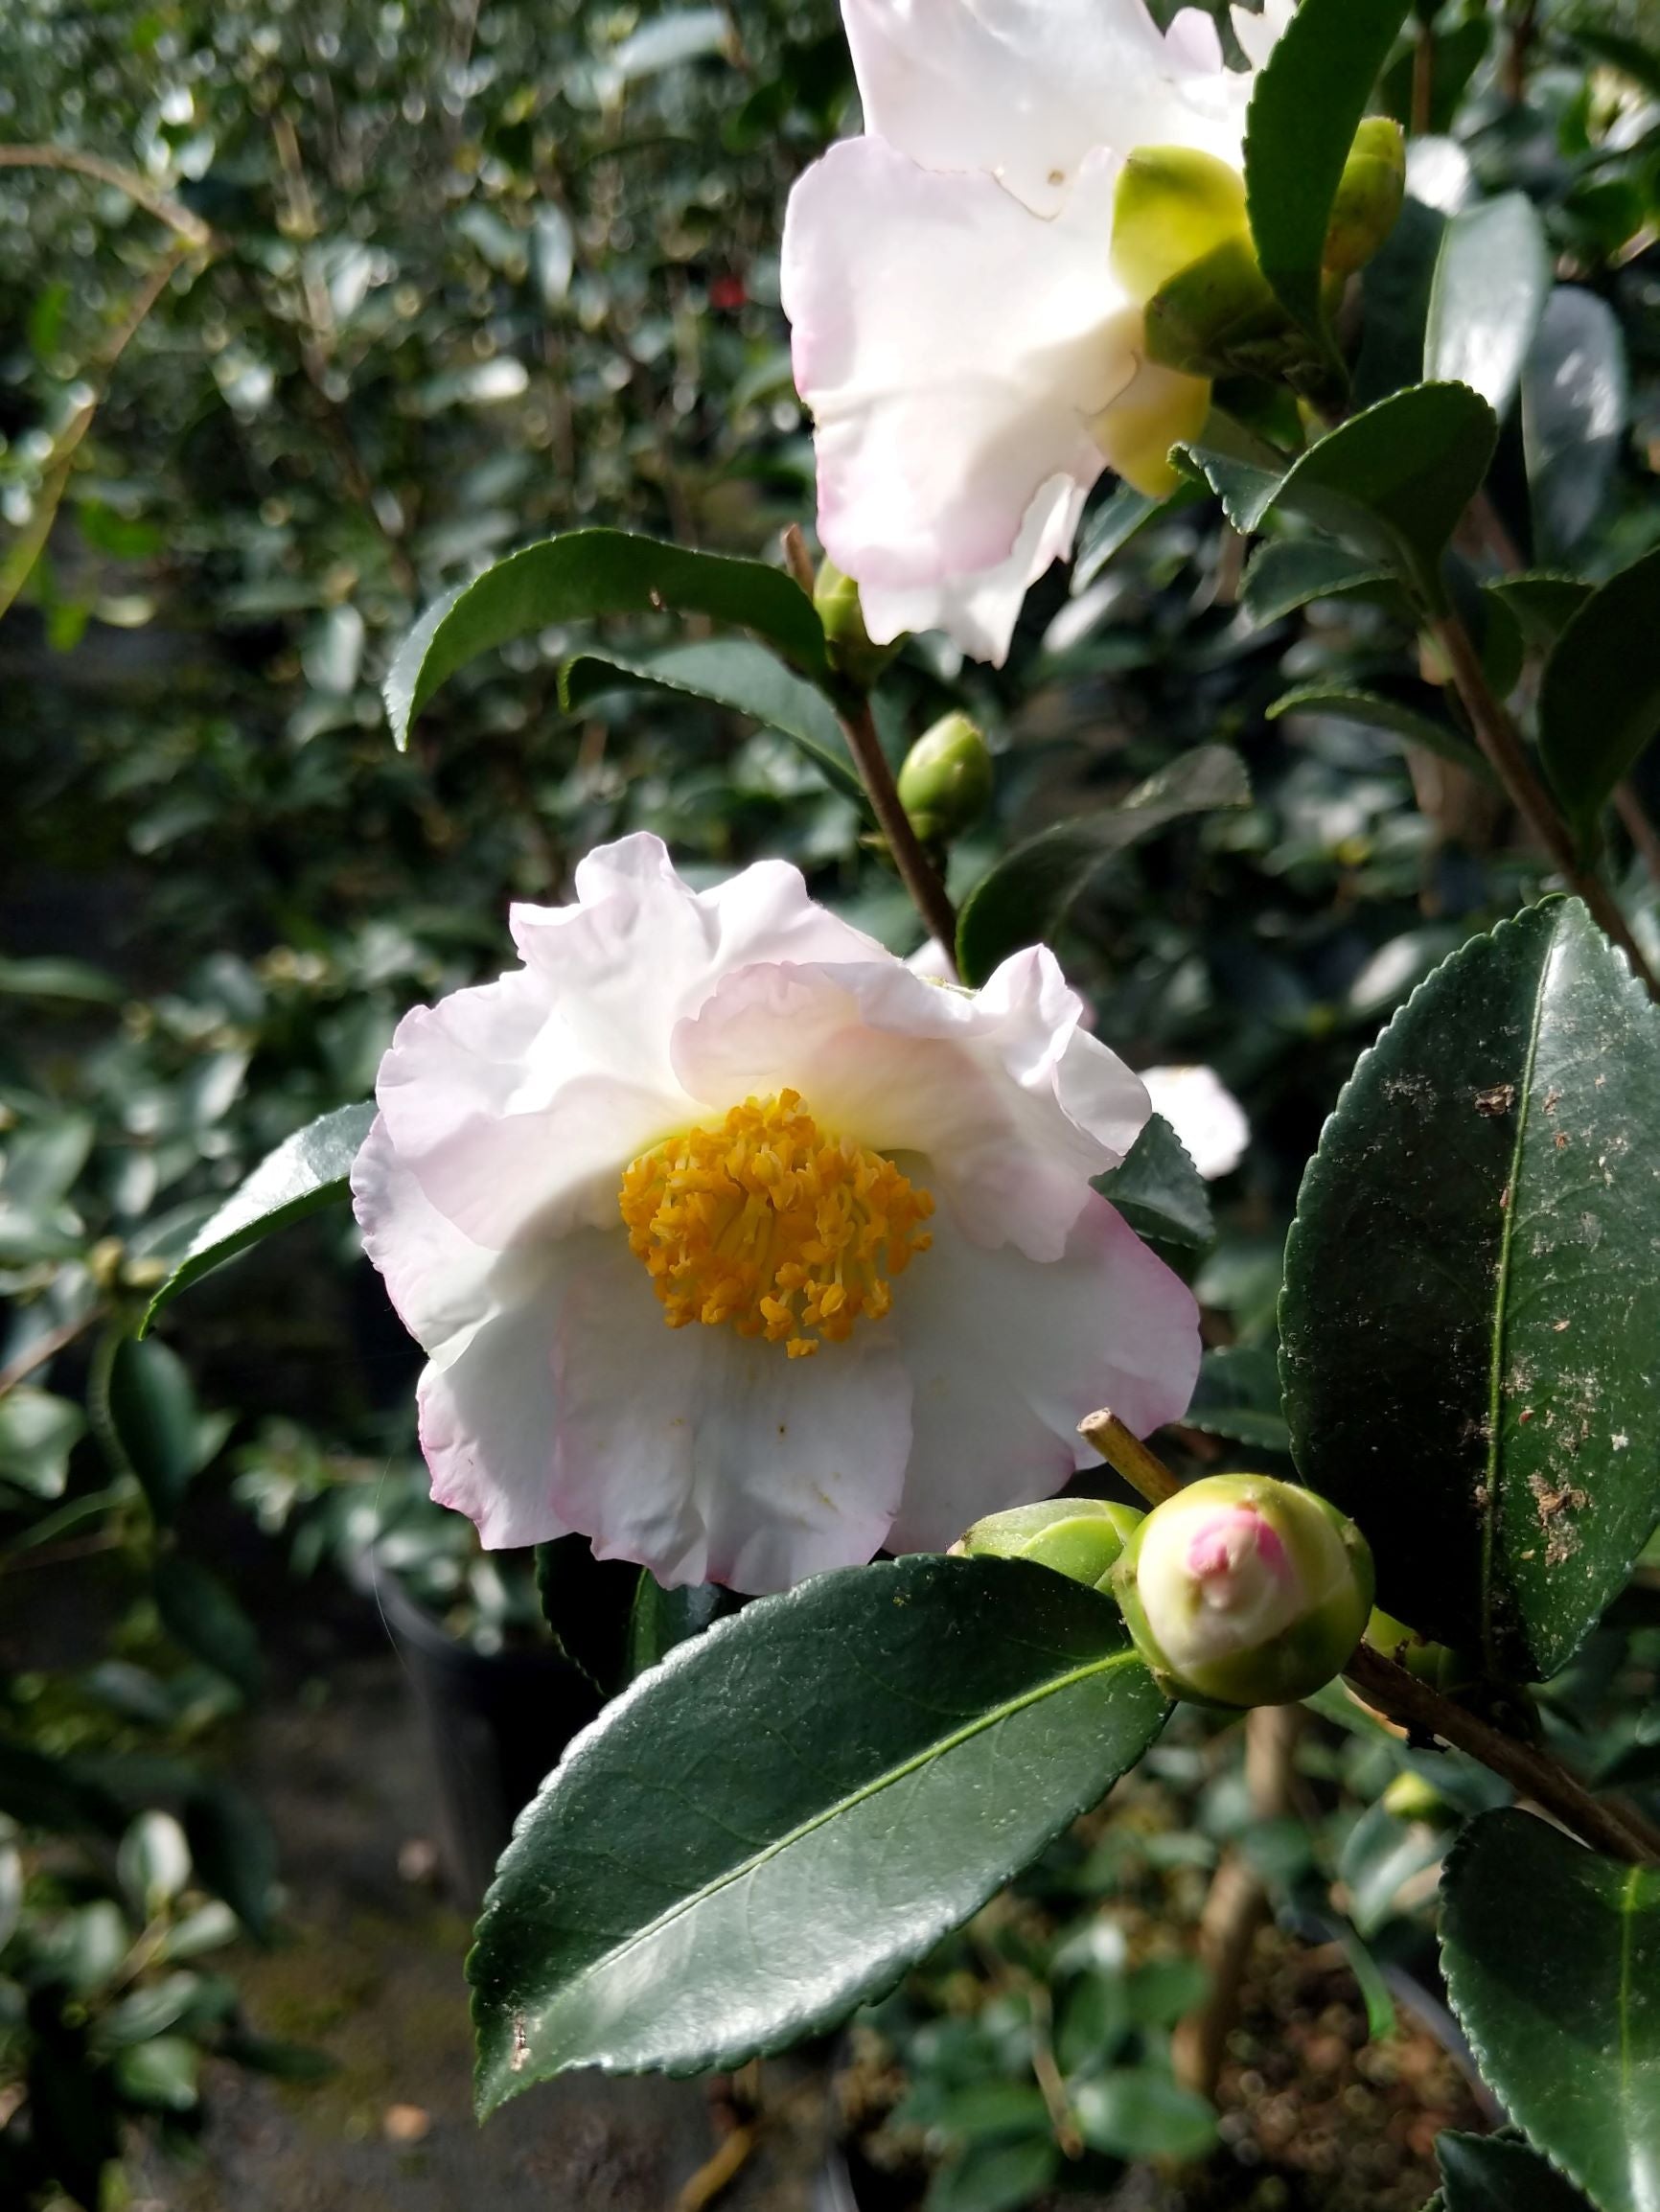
<point x="1511" y="1205"/>
<point x="938" y="1749"/>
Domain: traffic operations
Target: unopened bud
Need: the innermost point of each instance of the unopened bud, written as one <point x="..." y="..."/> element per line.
<point x="1241" y="1590"/>
<point x="1172" y="207"/>
<point x="1368" y="195"/>
<point x="945" y="784"/>
<point x="1079" y="1537"/>
<point x="1217" y="316"/>
<point x="835" y="601"/>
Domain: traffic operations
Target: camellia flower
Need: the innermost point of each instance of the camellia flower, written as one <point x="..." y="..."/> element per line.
<point x="1241" y="1590"/>
<point x="744" y="1251"/>
<point x="966" y="328"/>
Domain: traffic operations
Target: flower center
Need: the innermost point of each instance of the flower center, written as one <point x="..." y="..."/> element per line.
<point x="772" y="1225"/>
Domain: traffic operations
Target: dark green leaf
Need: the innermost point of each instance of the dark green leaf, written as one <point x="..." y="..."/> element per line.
<point x="1287" y="573"/>
<point x="778" y="1819"/>
<point x="1491" y="279"/>
<point x="1307" y="104"/>
<point x="1470" y="1285"/>
<point x="1118" y="519"/>
<point x="1024" y="898"/>
<point x="1542" y="605"/>
<point x="1500" y="2173"/>
<point x="1565" y="2026"/>
<point x="1237" y="1396"/>
<point x="152" y="1408"/>
<point x="37" y="1433"/>
<point x="284" y="2061"/>
<point x="234" y="1851"/>
<point x="198" y="1612"/>
<point x="661" y="1618"/>
<point x="1140" y="2112"/>
<point x="162" y="2072"/>
<point x="71" y="980"/>
<point x="307" y="1170"/>
<point x="578" y="577"/>
<point x="995" y="2177"/>
<point x="1574" y="411"/>
<point x="730" y="672"/>
<point x="1159" y="1191"/>
<point x="1600" y="700"/>
<point x="1395" y="290"/>
<point x="586" y="1603"/>
<point x="1375" y="712"/>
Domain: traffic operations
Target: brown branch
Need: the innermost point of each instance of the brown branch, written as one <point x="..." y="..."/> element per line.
<point x="916" y="870"/>
<point x="190" y="228"/>
<point x="1501" y="742"/>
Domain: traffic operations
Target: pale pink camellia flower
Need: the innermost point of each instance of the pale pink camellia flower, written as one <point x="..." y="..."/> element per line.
<point x="970" y="358"/>
<point x="743" y="1251"/>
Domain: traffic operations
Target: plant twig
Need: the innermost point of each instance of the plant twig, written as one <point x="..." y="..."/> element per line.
<point x="1501" y="742"/>
<point x="190" y="228"/>
<point x="916" y="870"/>
<point x="46" y="1348"/>
<point x="1607" y="1824"/>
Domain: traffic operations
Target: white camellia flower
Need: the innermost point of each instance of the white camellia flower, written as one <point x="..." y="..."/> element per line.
<point x="971" y="359"/>
<point x="744" y="1251"/>
<point x="1204" y="1113"/>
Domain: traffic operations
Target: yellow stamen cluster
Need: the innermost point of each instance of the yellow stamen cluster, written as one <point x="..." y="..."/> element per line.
<point x="770" y="1225"/>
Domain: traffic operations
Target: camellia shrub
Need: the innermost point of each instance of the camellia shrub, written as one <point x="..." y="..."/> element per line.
<point x="745" y="1249"/>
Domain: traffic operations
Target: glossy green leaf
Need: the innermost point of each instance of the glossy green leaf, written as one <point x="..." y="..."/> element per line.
<point x="152" y="1404"/>
<point x="306" y="1171"/>
<point x="198" y="1612"/>
<point x="730" y="672"/>
<point x="1120" y="517"/>
<point x="1238" y="1396"/>
<point x="1575" y="405"/>
<point x="235" y="1853"/>
<point x="1542" y="604"/>
<point x="1499" y="2173"/>
<point x="1491" y="279"/>
<point x="1026" y="897"/>
<point x="161" y="2072"/>
<point x="1565" y="2024"/>
<point x="1390" y="484"/>
<point x="995" y="2177"/>
<point x="1308" y="101"/>
<point x="1287" y="573"/>
<point x="1159" y="1191"/>
<point x="774" y="1822"/>
<point x="1375" y="712"/>
<point x="1599" y="699"/>
<point x="661" y="1619"/>
<point x="1140" y="2112"/>
<point x="37" y="1433"/>
<point x="1466" y="1322"/>
<point x="581" y="576"/>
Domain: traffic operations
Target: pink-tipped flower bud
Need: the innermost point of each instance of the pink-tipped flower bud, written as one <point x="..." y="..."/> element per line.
<point x="1079" y="1537"/>
<point x="1245" y="1591"/>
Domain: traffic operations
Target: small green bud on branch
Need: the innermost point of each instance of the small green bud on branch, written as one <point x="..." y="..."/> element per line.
<point x="946" y="782"/>
<point x="1079" y="1537"/>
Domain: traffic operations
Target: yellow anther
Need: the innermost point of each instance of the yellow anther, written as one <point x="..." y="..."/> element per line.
<point x="771" y="1226"/>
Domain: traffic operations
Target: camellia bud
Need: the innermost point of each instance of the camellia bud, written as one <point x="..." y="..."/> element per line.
<point x="1172" y="207"/>
<point x="1078" y="1537"/>
<point x="1368" y="195"/>
<point x="945" y="784"/>
<point x="1244" y="1591"/>
<point x="835" y="601"/>
<point x="1212" y="317"/>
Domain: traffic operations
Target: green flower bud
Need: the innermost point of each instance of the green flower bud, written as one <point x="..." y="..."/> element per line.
<point x="836" y="600"/>
<point x="1436" y="1664"/>
<point x="1245" y="1591"/>
<point x="1172" y="207"/>
<point x="1079" y="1537"/>
<point x="1368" y="195"/>
<point x="1217" y="316"/>
<point x="945" y="785"/>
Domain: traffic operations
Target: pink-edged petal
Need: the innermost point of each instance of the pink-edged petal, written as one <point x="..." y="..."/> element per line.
<point x="954" y="350"/>
<point x="1024" y="89"/>
<point x="438" y="1280"/>
<point x="710" y="1457"/>
<point x="979" y="612"/>
<point x="517" y="1104"/>
<point x="1008" y="1355"/>
<point x="1009" y="1105"/>
<point x="488" y="1424"/>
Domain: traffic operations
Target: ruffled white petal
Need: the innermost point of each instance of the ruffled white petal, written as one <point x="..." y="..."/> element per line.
<point x="979" y="612"/>
<point x="710" y="1457"/>
<point x="954" y="350"/>
<point x="1008" y="1356"/>
<point x="1025" y="89"/>
<point x="1011" y="1107"/>
<point x="1204" y="1114"/>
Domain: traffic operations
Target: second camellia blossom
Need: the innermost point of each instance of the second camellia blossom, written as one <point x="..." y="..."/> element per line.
<point x="967" y="329"/>
<point x="742" y="1250"/>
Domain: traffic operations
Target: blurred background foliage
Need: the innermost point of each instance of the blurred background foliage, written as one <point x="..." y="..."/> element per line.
<point x="314" y="309"/>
